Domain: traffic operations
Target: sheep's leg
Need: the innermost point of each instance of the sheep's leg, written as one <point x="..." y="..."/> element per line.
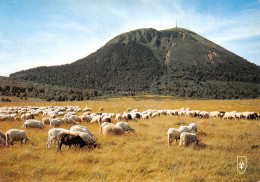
<point x="21" y="141"/>
<point x="53" y="141"/>
<point x="59" y="146"/>
<point x="169" y="141"/>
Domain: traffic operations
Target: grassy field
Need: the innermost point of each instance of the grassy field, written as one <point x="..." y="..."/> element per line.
<point x="146" y="155"/>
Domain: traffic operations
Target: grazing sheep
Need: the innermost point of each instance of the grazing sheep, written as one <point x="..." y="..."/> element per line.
<point x="112" y="129"/>
<point x="155" y="114"/>
<point x="125" y="126"/>
<point x="192" y="113"/>
<point x="144" y="116"/>
<point x="70" y="139"/>
<point x="184" y="129"/>
<point x="46" y="121"/>
<point x="218" y="114"/>
<point x="104" y="124"/>
<point x="106" y="119"/>
<point x="27" y="116"/>
<point x="31" y="123"/>
<point x="75" y="118"/>
<point x="173" y="134"/>
<point x="86" y="109"/>
<point x="68" y="120"/>
<point x="137" y="115"/>
<point x="96" y="119"/>
<point x="55" y="122"/>
<point x="204" y="114"/>
<point x="250" y="115"/>
<point x="16" y="135"/>
<point x="230" y="115"/>
<point x="53" y="135"/>
<point x="78" y="128"/>
<point x="193" y="127"/>
<point x="181" y="113"/>
<point x="127" y="116"/>
<point x="86" y="118"/>
<point x="188" y="138"/>
<point x="88" y="139"/>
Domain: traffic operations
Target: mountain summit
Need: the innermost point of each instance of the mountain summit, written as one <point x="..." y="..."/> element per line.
<point x="175" y="61"/>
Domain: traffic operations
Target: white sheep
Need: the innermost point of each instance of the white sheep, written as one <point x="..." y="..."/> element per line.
<point x="79" y="128"/>
<point x="31" y="123"/>
<point x="75" y="118"/>
<point x="155" y="114"/>
<point x="46" y="121"/>
<point x="96" y="119"/>
<point x="230" y="115"/>
<point x="104" y="124"/>
<point x="173" y="134"/>
<point x="193" y="127"/>
<point x="204" y="114"/>
<point x="112" y="129"/>
<point x="27" y="116"/>
<point x="217" y="114"/>
<point x="125" y="126"/>
<point x="144" y="116"/>
<point x="184" y="129"/>
<point x="55" y="122"/>
<point x="53" y="135"/>
<point x="188" y="138"/>
<point x="86" y="118"/>
<point x="68" y="120"/>
<point x="16" y="135"/>
<point x="85" y="136"/>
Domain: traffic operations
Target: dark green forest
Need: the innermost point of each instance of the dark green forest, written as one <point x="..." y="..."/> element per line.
<point x="24" y="90"/>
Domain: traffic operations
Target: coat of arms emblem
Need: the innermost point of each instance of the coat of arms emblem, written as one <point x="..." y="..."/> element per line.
<point x="241" y="164"/>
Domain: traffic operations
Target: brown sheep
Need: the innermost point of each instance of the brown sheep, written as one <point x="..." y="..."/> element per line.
<point x="70" y="139"/>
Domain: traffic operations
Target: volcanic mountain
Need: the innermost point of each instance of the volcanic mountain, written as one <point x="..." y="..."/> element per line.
<point x="175" y="62"/>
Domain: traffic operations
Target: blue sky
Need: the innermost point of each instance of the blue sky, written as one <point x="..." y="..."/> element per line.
<point x="52" y="32"/>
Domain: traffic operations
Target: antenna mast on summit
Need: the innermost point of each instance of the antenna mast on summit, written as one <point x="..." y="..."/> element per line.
<point x="176" y="23"/>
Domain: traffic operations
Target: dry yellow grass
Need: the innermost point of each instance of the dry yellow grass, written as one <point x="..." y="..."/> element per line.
<point x="146" y="155"/>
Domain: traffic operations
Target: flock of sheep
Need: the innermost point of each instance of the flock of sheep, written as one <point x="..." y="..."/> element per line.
<point x="80" y="136"/>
